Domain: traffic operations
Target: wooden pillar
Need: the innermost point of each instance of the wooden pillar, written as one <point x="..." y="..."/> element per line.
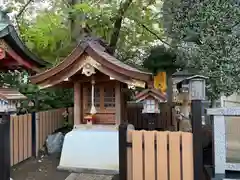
<point x="77" y="103"/>
<point x="118" y="107"/>
<point x="5" y="147"/>
<point x="196" y="107"/>
<point x="123" y="159"/>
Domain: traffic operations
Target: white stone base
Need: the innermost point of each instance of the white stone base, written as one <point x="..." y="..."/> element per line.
<point x="91" y="148"/>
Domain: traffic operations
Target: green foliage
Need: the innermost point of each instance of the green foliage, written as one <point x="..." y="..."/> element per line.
<point x="161" y="58"/>
<point x="47" y="36"/>
<point x="207" y="32"/>
<point x="137" y="28"/>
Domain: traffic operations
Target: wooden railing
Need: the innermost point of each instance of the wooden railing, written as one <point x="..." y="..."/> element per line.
<point x="20" y="138"/>
<point x="157" y="155"/>
<point x="160" y="155"/>
<point x="28" y="132"/>
<point x="47" y="123"/>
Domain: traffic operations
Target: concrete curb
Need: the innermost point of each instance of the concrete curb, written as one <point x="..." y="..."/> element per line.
<point x="82" y="176"/>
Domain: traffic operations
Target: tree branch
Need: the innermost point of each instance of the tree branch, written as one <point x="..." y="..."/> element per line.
<point x="24" y="8"/>
<point x="118" y="24"/>
<point x="153" y="33"/>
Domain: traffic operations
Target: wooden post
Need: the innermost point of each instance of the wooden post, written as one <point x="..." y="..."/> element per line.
<point x="170" y="95"/>
<point x="77" y="103"/>
<point x="34" y="135"/>
<point x="122" y="151"/>
<point x="118" y="103"/>
<point x="5" y="147"/>
<point x="196" y="107"/>
<point x="37" y="132"/>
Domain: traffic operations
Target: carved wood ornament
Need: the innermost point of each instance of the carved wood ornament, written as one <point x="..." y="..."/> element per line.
<point x="88" y="70"/>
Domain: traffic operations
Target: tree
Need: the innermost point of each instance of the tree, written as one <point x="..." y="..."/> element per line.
<point x="48" y="36"/>
<point x="129" y="27"/>
<point x="161" y="58"/>
<point x="207" y="33"/>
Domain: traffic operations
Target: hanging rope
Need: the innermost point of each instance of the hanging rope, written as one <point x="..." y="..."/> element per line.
<point x="93" y="109"/>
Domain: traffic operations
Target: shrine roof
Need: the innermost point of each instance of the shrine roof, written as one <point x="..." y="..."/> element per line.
<point x="99" y="52"/>
<point x="11" y="94"/>
<point x="9" y="34"/>
<point x="156" y="94"/>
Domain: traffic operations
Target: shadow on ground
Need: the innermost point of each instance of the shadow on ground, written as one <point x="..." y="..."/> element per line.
<point x="38" y="169"/>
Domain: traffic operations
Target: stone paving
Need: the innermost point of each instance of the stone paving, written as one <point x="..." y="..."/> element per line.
<point x="81" y="176"/>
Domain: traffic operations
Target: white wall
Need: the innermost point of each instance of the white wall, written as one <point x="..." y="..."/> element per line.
<point x="232" y="128"/>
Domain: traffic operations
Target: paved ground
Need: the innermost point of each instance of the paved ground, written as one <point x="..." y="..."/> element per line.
<point x="75" y="176"/>
<point x="42" y="169"/>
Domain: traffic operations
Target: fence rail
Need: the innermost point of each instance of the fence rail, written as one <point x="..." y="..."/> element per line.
<point x="20" y="138"/>
<point x="28" y="132"/>
<point x="48" y="122"/>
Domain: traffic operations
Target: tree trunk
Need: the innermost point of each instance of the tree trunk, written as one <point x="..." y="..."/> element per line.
<point x="77" y="29"/>
<point x="213" y="103"/>
<point x="118" y="24"/>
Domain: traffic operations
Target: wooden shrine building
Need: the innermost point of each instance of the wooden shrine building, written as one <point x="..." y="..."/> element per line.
<point x="98" y="79"/>
<point x="13" y="53"/>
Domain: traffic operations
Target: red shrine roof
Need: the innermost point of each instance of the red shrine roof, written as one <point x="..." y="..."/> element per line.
<point x="13" y="52"/>
<point x="151" y="92"/>
<point x="91" y="51"/>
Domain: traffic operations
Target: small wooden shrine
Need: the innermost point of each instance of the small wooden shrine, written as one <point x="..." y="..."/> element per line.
<point x="151" y="98"/>
<point x="98" y="79"/>
<point x="9" y="98"/>
<point x="13" y="53"/>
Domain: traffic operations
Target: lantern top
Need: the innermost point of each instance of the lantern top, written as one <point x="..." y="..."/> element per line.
<point x="197" y="77"/>
<point x="194" y="85"/>
<point x="151" y="92"/>
<point x="183" y="73"/>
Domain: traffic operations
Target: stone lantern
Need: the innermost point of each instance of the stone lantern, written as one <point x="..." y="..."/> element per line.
<point x="191" y="88"/>
<point x="194" y="86"/>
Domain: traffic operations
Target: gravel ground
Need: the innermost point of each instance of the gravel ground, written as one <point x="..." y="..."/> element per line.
<point x="38" y="169"/>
